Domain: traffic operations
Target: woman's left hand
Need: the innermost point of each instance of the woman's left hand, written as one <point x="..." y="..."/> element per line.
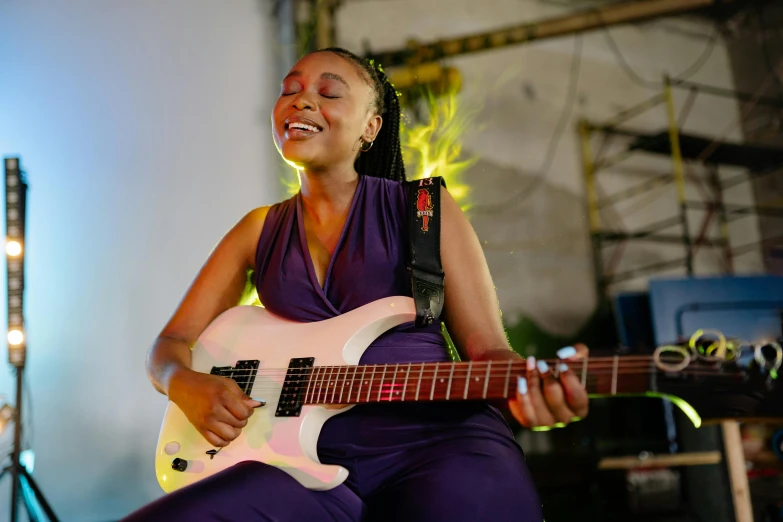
<point x="544" y="400"/>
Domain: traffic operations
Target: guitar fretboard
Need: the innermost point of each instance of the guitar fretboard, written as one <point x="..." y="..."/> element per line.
<point x="447" y="381"/>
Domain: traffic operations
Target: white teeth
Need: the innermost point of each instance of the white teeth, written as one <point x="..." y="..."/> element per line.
<point x="303" y="126"/>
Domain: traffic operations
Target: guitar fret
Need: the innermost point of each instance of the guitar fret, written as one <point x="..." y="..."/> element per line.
<point x="380" y="388"/>
<point x="341" y="384"/>
<point x="372" y="379"/>
<point x="307" y="390"/>
<point x="434" y="378"/>
<point x="614" y="374"/>
<point x="333" y="384"/>
<point x="405" y="386"/>
<point x="353" y="378"/>
<point x="467" y="381"/>
<point x="323" y="375"/>
<point x="313" y="376"/>
<point x="359" y="393"/>
<point x="418" y="385"/>
<point x="451" y="375"/>
<point x="394" y="382"/>
<point x="508" y="376"/>
<point x="486" y="380"/>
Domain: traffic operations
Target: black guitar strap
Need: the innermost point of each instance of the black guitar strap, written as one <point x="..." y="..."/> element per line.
<point x="424" y="215"/>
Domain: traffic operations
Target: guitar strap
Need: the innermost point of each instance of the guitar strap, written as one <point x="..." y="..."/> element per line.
<point x="424" y="216"/>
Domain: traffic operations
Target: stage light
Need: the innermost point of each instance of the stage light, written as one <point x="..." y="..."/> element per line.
<point x="15" y="199"/>
<point x="13" y="248"/>
<point x="15" y="337"/>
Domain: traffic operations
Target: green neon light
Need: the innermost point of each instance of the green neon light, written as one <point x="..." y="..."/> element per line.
<point x="686" y="408"/>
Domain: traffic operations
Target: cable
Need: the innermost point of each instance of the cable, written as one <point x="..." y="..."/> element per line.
<point x="554" y="142"/>
<point x="695" y="67"/>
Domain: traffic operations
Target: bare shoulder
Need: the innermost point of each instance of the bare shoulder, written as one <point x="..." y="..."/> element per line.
<point x="247" y="232"/>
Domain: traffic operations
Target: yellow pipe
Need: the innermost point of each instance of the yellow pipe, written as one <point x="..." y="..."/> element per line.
<point x="588" y="169"/>
<point x="674" y="139"/>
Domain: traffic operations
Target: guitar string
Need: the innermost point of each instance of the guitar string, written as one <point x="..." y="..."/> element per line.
<point x="499" y="369"/>
<point x="622" y="361"/>
<point x="376" y="383"/>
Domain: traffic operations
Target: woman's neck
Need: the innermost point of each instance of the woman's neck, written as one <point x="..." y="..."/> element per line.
<point x="325" y="193"/>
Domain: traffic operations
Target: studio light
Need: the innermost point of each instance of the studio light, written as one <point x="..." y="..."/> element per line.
<point x="15" y="198"/>
<point x="23" y="487"/>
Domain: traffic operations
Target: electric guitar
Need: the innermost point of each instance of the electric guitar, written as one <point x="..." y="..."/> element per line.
<point x="296" y="368"/>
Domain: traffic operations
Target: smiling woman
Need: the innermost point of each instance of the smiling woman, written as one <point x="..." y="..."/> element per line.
<point x="338" y="245"/>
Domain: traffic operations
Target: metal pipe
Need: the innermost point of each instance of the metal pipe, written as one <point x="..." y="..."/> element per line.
<point x="585" y="20"/>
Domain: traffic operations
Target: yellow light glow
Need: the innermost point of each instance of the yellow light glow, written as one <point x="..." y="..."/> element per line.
<point x="434" y="148"/>
<point x="13" y="248"/>
<point x="15" y="337"/>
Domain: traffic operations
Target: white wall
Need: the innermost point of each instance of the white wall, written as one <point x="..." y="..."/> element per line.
<point x="143" y="127"/>
<point x="538" y="251"/>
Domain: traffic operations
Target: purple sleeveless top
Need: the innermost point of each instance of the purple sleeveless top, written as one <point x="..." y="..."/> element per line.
<point x="369" y="263"/>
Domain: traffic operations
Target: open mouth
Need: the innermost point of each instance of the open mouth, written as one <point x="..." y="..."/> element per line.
<point x="302" y="128"/>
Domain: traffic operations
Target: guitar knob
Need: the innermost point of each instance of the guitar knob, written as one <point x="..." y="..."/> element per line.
<point x="179" y="464"/>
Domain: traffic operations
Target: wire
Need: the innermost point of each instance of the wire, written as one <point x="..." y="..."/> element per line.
<point x="695" y="67"/>
<point x="554" y="142"/>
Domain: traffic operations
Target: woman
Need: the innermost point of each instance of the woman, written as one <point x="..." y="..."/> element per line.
<point x="339" y="244"/>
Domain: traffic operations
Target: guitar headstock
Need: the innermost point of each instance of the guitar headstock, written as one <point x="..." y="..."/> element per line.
<point x="722" y="378"/>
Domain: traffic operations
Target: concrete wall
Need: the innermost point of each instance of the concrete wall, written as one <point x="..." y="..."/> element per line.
<point x="538" y="249"/>
<point x="144" y="130"/>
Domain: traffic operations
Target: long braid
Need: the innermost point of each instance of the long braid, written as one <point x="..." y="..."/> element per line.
<point x="384" y="159"/>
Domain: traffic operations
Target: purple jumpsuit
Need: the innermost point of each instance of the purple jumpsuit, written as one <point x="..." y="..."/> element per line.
<point x="407" y="462"/>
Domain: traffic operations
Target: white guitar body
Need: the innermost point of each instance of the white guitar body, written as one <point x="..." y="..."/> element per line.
<point x="288" y="443"/>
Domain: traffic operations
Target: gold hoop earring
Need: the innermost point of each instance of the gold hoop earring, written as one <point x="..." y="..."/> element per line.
<point x="364" y="143"/>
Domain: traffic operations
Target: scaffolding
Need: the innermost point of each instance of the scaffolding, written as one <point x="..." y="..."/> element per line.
<point x="683" y="149"/>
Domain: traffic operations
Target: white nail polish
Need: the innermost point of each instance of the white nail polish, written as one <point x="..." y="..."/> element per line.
<point x="543" y="367"/>
<point x="531" y="363"/>
<point x="565" y="353"/>
<point x="562" y="368"/>
<point x="522" y="385"/>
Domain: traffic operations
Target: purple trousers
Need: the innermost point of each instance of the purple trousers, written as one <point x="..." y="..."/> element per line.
<point x="411" y="471"/>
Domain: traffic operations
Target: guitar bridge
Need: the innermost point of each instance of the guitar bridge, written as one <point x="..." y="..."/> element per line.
<point x="294" y="386"/>
<point x="244" y="373"/>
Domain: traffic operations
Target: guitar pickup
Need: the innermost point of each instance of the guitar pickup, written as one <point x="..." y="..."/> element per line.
<point x="244" y="373"/>
<point x="294" y="387"/>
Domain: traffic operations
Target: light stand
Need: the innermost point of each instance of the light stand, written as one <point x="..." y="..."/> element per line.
<point x="15" y="197"/>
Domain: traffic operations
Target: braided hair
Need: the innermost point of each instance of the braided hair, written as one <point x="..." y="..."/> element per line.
<point x="384" y="159"/>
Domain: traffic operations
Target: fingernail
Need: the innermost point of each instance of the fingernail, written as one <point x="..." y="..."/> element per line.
<point x="565" y="353"/>
<point x="562" y="368"/>
<point x="531" y="363"/>
<point x="261" y="403"/>
<point x="543" y="367"/>
<point x="522" y="385"/>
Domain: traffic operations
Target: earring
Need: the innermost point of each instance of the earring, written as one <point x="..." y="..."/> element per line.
<point x="365" y="143"/>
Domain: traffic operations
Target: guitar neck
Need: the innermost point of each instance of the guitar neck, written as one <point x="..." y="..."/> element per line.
<point x="447" y="381"/>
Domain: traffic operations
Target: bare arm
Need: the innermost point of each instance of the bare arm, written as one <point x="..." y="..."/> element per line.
<point x="471" y="310"/>
<point x="217" y="287"/>
<point x="472" y="316"/>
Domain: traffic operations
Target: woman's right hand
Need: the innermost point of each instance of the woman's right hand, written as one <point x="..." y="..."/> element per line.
<point x="216" y="406"/>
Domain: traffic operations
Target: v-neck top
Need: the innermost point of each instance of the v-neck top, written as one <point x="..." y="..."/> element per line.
<point x="368" y="263"/>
